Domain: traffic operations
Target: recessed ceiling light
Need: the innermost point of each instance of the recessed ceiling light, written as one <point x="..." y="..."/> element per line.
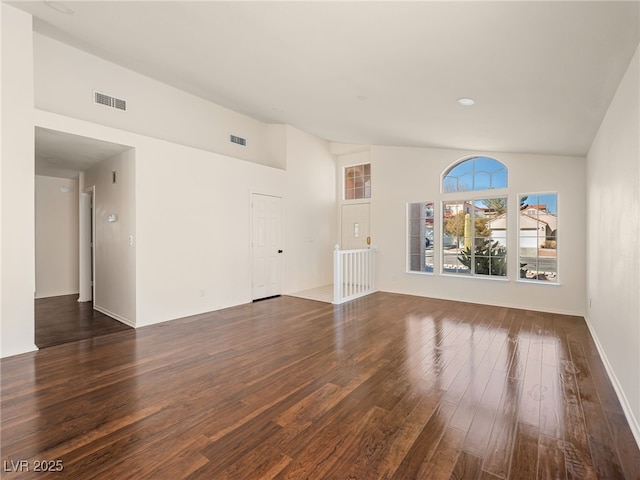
<point x="59" y="7"/>
<point x="466" y="101"/>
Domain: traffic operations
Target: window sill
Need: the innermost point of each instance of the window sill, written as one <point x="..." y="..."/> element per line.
<point x="538" y="282"/>
<point x="477" y="277"/>
<point x="415" y="272"/>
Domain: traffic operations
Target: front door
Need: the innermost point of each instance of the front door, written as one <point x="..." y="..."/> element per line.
<point x="355" y="226"/>
<point x="267" y="248"/>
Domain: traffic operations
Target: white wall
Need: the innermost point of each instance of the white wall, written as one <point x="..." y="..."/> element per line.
<point x="192" y="209"/>
<point x="193" y="228"/>
<point x="115" y="257"/>
<point x="17" y="189"/>
<point x="348" y="155"/>
<point x="56" y="232"/>
<point x="310" y="212"/>
<point x="613" y="233"/>
<point x="192" y="204"/>
<point x="402" y="175"/>
<point x="66" y="77"/>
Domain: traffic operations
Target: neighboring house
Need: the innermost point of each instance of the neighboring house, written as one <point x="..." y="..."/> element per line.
<point x="536" y="226"/>
<point x="454" y="208"/>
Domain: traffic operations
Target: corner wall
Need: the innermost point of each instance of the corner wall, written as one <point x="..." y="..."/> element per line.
<point x="114" y="242"/>
<point x="613" y="233"/>
<point x="17" y="189"/>
<point x="309" y="211"/>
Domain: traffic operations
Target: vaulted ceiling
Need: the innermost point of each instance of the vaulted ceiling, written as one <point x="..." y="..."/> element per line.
<point x="542" y="73"/>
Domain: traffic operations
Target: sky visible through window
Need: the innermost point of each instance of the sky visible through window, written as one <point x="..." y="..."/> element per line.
<point x="477" y="173"/>
<point x="550" y="200"/>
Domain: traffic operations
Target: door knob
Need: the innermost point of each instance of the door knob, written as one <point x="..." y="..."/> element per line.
<point x="279" y="251"/>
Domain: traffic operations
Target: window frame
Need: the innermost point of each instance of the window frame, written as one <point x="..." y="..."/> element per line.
<point x="409" y="237"/>
<point x="538" y="281"/>
<point x="345" y="168"/>
<point x="445" y="174"/>
<point x="472" y="198"/>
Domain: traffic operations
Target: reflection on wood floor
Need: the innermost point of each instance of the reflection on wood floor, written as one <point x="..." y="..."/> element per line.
<point x="387" y="386"/>
<point x="63" y="319"/>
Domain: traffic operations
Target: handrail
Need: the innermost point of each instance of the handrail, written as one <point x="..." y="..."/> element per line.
<point x="353" y="273"/>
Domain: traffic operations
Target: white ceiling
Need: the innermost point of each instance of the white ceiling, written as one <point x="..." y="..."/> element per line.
<point x="542" y="73"/>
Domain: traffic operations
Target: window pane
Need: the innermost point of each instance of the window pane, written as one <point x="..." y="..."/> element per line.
<point x="477" y="173"/>
<point x="537" y="237"/>
<point x="499" y="179"/>
<point x="482" y="181"/>
<point x="415" y="245"/>
<point x="449" y="184"/>
<point x="414" y="263"/>
<point x="357" y="182"/>
<point x="429" y="260"/>
<point x="414" y="227"/>
<point x="420" y="236"/>
<point x="414" y="210"/>
<point x="475" y="237"/>
<point x="465" y="183"/>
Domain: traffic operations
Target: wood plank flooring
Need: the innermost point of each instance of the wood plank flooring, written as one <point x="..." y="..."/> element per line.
<point x="63" y="319"/>
<point x="385" y="387"/>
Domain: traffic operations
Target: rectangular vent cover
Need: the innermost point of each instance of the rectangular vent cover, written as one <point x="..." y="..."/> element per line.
<point x="238" y="140"/>
<point x="109" y="101"/>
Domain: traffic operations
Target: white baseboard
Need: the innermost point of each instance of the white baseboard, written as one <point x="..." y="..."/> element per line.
<point x="626" y="407"/>
<point x="115" y="316"/>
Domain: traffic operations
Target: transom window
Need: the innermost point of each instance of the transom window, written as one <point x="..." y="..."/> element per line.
<point x="473" y="174"/>
<point x="357" y="181"/>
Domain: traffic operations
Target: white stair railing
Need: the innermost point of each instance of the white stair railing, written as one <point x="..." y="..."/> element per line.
<point x="353" y="273"/>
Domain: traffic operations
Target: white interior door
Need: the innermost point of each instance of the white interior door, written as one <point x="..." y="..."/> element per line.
<point x="355" y="230"/>
<point x="267" y="246"/>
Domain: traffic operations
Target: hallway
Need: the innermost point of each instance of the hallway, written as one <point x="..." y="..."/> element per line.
<point x="63" y="319"/>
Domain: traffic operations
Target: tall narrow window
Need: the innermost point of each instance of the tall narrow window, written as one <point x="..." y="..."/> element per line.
<point x="538" y="237"/>
<point x="475" y="237"/>
<point x="474" y="224"/>
<point x="421" y="237"/>
<point x="357" y="182"/>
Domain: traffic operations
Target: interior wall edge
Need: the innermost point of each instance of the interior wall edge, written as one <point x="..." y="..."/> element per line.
<point x="120" y="318"/>
<point x="634" y="424"/>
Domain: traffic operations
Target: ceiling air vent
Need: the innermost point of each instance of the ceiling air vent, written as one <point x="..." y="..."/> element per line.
<point x="109" y="101"/>
<point x="238" y="140"/>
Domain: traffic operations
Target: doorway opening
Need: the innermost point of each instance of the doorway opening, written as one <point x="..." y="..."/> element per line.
<point x="65" y="236"/>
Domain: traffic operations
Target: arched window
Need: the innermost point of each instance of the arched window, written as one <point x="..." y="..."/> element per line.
<point x="475" y="173"/>
<point x="474" y="222"/>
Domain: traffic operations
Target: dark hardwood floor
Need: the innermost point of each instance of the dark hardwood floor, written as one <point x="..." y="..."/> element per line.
<point x="63" y="319"/>
<point x="385" y="387"/>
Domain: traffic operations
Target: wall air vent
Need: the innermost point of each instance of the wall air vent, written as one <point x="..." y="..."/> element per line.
<point x="238" y="140"/>
<point x="109" y="101"/>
